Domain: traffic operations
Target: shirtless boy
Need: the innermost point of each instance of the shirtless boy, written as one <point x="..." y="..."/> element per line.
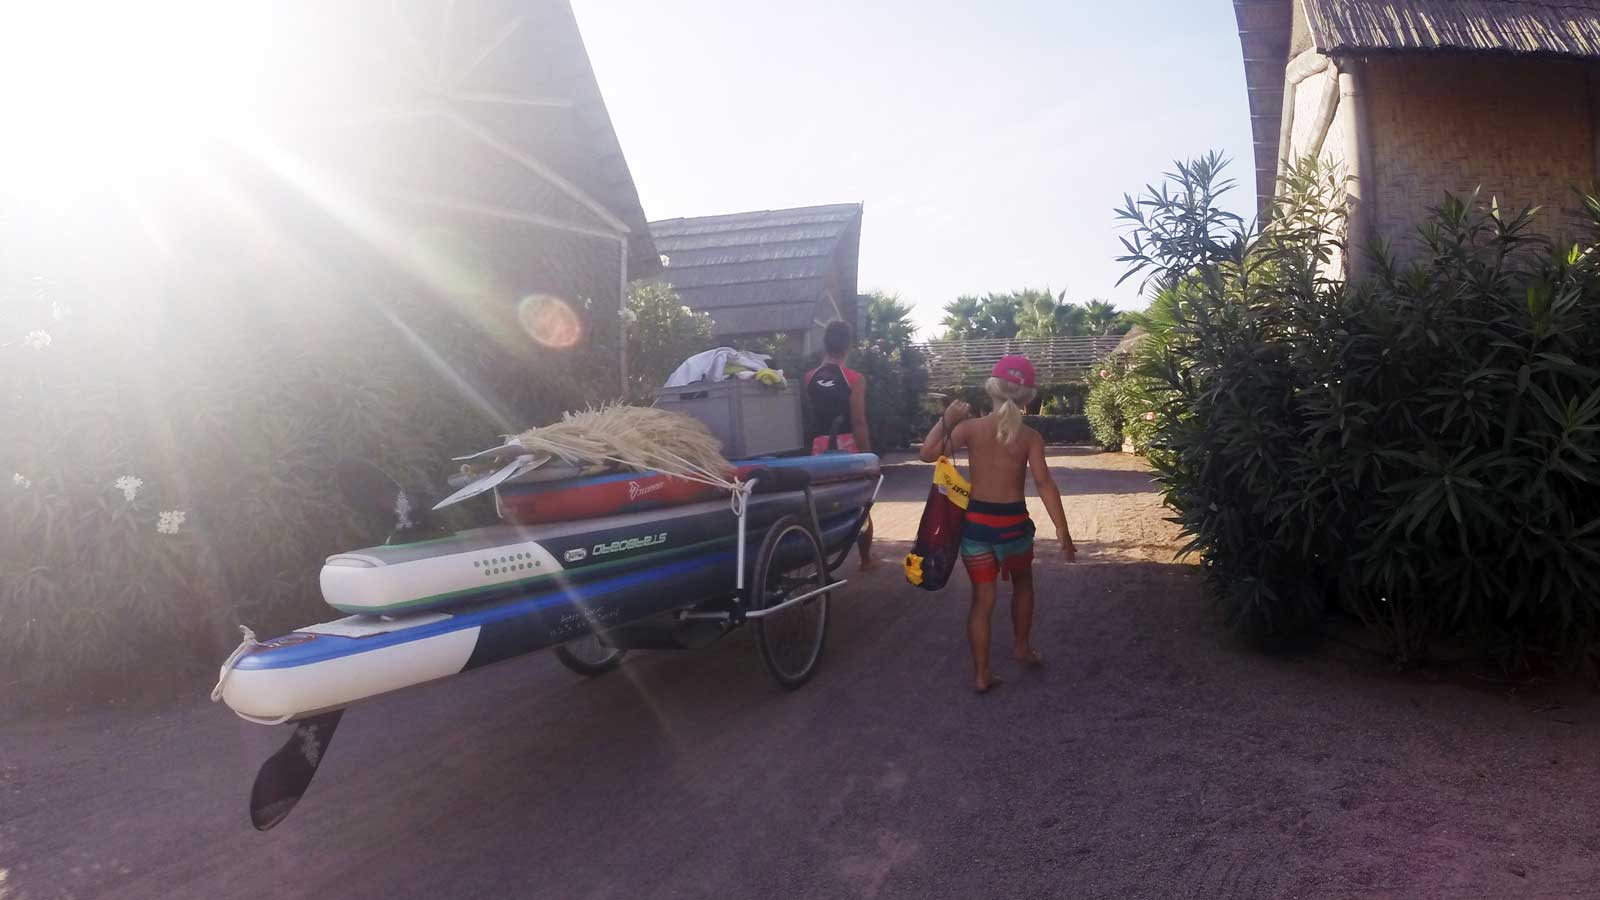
<point x="997" y="541"/>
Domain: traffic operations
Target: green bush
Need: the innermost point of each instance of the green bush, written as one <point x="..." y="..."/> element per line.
<point x="1064" y="400"/>
<point x="1103" y="406"/>
<point x="662" y="333"/>
<point x="1122" y="405"/>
<point x="1419" y="450"/>
<point x="166" y="469"/>
<point x="1060" y="429"/>
<point x="896" y="381"/>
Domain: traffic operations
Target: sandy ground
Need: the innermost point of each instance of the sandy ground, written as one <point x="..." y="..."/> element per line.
<point x="1151" y="758"/>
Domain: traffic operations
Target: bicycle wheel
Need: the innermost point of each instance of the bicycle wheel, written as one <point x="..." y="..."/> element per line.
<point x="790" y="564"/>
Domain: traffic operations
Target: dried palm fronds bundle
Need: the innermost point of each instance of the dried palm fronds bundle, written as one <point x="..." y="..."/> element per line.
<point x="643" y="438"/>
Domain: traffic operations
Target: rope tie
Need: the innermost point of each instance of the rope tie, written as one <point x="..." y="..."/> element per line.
<point x="245" y="646"/>
<point x="739" y="497"/>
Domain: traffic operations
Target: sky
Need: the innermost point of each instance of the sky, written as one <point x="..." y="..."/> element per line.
<point x="989" y="141"/>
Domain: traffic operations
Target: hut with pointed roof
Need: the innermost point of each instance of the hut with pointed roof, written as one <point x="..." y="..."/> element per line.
<point x="784" y="272"/>
<point x="475" y="136"/>
<point x="1415" y="98"/>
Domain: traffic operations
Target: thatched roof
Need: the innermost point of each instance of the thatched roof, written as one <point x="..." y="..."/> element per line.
<point x="1135" y="336"/>
<point x="1265" y="27"/>
<point x="1057" y="360"/>
<point x="1552" y="27"/>
<point x="475" y="108"/>
<point x="1564" y="28"/>
<point x="768" y="271"/>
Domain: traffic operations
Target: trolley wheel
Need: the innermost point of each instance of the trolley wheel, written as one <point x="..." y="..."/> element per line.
<point x="791" y="563"/>
<point x="589" y="657"/>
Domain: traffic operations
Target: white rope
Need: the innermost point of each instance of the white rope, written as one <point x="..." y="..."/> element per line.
<point x="245" y="646"/>
<point x="740" y="497"/>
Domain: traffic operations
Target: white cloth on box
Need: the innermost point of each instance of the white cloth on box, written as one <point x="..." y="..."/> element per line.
<point x="714" y="363"/>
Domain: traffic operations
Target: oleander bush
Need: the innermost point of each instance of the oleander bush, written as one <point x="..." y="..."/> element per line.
<point x="1122" y="404"/>
<point x="1419" y="450"/>
<point x="166" y="467"/>
<point x="1103" y="406"/>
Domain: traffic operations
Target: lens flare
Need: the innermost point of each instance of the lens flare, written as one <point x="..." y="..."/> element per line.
<point x="550" y="320"/>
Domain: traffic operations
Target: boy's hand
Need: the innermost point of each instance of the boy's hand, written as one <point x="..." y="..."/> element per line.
<point x="1068" y="549"/>
<point x="957" y="411"/>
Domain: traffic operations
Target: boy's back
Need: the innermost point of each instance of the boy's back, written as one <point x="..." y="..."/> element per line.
<point x="999" y="470"/>
<point x="997" y="536"/>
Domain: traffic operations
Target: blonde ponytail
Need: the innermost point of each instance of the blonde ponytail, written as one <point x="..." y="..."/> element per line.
<point x="1009" y="399"/>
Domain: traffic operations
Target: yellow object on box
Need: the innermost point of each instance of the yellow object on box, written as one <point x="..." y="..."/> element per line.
<point x="770" y="377"/>
<point x="947" y="478"/>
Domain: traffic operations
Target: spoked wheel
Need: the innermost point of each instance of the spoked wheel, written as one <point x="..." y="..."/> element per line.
<point x="791" y="564"/>
<point x="589" y="657"/>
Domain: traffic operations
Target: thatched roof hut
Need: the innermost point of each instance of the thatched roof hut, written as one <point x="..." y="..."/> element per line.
<point x="786" y="272"/>
<point x="1419" y="97"/>
<point x="484" y="114"/>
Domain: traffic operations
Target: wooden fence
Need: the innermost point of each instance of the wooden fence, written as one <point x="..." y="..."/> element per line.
<point x="1057" y="360"/>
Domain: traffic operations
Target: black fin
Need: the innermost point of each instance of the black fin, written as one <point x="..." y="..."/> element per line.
<point x="284" y="777"/>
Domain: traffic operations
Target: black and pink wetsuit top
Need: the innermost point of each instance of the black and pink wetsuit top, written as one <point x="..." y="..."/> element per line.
<point x="828" y="389"/>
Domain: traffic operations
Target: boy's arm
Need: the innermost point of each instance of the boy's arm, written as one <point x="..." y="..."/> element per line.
<point x="1050" y="494"/>
<point x="858" y="415"/>
<point x="933" y="444"/>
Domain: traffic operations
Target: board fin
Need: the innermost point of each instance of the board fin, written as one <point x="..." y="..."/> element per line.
<point x="284" y="777"/>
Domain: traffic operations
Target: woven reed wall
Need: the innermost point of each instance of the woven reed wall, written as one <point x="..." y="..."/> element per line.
<point x="1520" y="128"/>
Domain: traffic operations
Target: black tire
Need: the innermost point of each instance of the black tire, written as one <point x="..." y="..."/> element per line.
<point x="791" y="640"/>
<point x="589" y="657"/>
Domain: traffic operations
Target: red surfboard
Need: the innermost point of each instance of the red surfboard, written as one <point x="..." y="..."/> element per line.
<point x="539" y="503"/>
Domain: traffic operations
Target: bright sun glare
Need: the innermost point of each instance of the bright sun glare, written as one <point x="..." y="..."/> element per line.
<point x="104" y="91"/>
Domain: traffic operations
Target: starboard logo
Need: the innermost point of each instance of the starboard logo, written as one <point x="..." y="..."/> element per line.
<point x="638" y="543"/>
<point x="637" y="490"/>
<point x="575" y="554"/>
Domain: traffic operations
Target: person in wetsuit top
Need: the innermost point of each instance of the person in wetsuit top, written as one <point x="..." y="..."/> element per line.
<point x="836" y="411"/>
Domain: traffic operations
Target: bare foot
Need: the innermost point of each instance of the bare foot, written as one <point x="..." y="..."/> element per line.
<point x="870" y="562"/>
<point x="987" y="683"/>
<point x="1030" y="658"/>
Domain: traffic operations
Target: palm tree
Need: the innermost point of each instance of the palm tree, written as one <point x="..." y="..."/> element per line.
<point x="1038" y="314"/>
<point x="961" y="318"/>
<point x="888" y="320"/>
<point x="1100" y="317"/>
<point x="998" y="316"/>
<point x="1070" y="320"/>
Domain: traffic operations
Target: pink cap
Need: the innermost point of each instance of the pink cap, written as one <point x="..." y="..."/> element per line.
<point x="1015" y="369"/>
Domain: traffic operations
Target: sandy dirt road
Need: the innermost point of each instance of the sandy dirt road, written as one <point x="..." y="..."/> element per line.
<point x="1151" y="758"/>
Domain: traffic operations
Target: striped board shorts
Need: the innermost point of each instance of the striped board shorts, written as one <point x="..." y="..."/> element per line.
<point x="997" y="540"/>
